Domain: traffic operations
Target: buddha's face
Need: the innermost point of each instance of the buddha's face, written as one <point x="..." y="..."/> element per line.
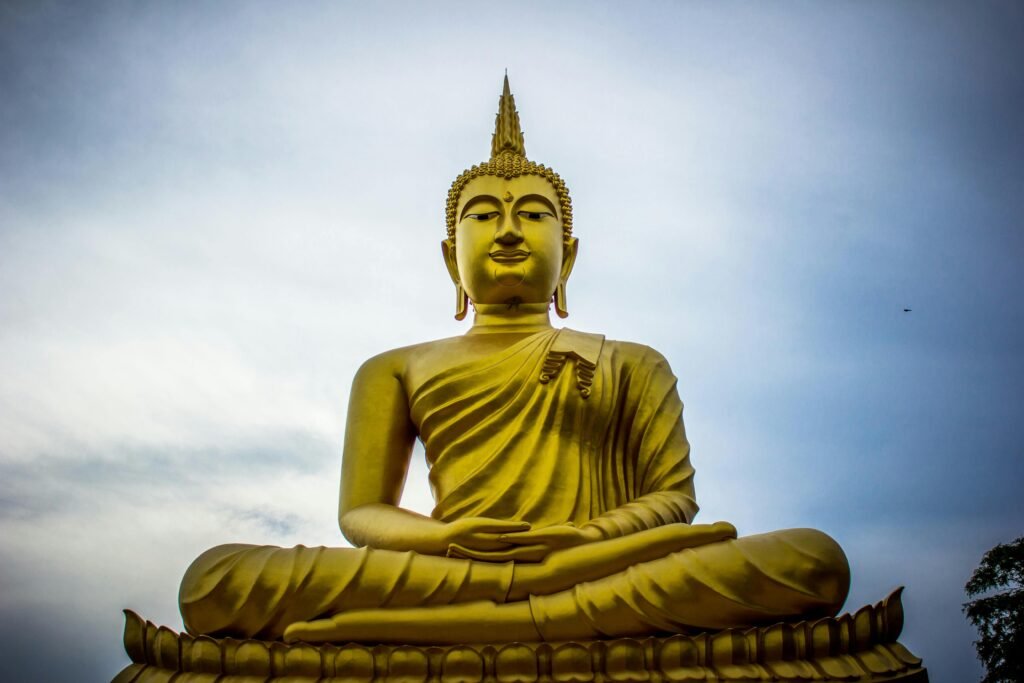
<point x="509" y="245"/>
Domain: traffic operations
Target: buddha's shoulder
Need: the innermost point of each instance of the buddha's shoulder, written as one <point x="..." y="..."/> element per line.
<point x="397" y="360"/>
<point x="416" y="361"/>
<point x="629" y="352"/>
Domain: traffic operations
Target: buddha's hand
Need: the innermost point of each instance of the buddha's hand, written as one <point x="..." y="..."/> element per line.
<point x="571" y="566"/>
<point x="532" y="545"/>
<point x="475" y="535"/>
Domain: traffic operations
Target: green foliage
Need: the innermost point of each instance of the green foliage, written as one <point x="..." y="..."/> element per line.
<point x="999" y="617"/>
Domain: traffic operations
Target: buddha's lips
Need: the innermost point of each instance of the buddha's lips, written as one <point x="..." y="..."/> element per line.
<point x="509" y="255"/>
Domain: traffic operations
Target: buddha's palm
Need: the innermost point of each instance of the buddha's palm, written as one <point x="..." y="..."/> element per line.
<point x="531" y="545"/>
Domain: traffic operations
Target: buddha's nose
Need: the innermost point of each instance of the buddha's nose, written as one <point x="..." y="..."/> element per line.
<point x="508" y="234"/>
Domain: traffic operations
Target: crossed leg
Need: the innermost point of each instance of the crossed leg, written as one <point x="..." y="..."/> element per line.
<point x="669" y="579"/>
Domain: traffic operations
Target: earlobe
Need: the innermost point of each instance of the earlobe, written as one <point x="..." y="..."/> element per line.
<point x="461" y="302"/>
<point x="461" y="298"/>
<point x="568" y="261"/>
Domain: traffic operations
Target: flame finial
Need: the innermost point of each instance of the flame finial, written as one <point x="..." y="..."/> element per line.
<point x="508" y="160"/>
<point x="508" y="136"/>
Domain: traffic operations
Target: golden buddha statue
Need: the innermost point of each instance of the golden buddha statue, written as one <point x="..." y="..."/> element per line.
<point x="558" y="462"/>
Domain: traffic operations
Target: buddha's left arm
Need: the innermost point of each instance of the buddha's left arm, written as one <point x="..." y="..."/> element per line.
<point x="662" y="481"/>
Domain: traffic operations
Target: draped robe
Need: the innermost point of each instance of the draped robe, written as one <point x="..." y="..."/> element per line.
<point x="559" y="427"/>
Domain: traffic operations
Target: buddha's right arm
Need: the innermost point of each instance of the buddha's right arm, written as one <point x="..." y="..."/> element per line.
<point x="378" y="445"/>
<point x="389" y="527"/>
<point x="379" y="437"/>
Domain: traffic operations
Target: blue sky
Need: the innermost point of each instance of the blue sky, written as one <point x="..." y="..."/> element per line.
<point x="210" y="214"/>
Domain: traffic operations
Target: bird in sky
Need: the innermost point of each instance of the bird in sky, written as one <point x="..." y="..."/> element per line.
<point x="907" y="310"/>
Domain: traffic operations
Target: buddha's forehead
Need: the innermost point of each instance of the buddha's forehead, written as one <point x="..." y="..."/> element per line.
<point x="508" y="189"/>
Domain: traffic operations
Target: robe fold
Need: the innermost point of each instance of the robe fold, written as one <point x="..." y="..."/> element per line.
<point x="248" y="591"/>
<point x="560" y="427"/>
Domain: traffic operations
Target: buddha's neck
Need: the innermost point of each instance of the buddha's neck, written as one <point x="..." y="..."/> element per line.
<point x="506" y="318"/>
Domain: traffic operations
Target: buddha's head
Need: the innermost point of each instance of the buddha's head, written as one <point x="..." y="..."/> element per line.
<point x="509" y="226"/>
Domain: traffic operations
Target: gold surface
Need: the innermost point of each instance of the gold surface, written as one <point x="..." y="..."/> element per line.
<point x="559" y="467"/>
<point x="857" y="647"/>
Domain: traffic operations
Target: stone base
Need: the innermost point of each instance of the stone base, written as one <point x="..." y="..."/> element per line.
<point x="857" y="647"/>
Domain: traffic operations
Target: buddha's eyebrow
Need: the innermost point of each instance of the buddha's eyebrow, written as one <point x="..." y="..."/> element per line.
<point x="479" y="199"/>
<point x="537" y="198"/>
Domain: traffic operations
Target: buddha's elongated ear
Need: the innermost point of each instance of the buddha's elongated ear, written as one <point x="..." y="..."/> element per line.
<point x="569" y="252"/>
<point x="448" y="252"/>
<point x="461" y="299"/>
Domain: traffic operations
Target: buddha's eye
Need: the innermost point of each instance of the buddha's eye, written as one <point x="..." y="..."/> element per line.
<point x="534" y="215"/>
<point x="483" y="216"/>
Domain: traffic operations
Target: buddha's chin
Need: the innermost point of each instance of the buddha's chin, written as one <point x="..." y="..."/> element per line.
<point x="509" y="276"/>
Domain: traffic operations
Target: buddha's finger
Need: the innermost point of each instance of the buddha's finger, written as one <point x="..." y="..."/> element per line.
<point x="465" y="553"/>
<point x="461" y="552"/>
<point x="681" y="536"/>
<point x="482" y="541"/>
<point x="494" y="526"/>
<point x="727" y="528"/>
<point x="710" y="533"/>
<point x="532" y="553"/>
<point x="559" y="535"/>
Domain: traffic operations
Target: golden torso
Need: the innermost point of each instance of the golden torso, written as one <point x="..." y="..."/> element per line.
<point x="523" y="469"/>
